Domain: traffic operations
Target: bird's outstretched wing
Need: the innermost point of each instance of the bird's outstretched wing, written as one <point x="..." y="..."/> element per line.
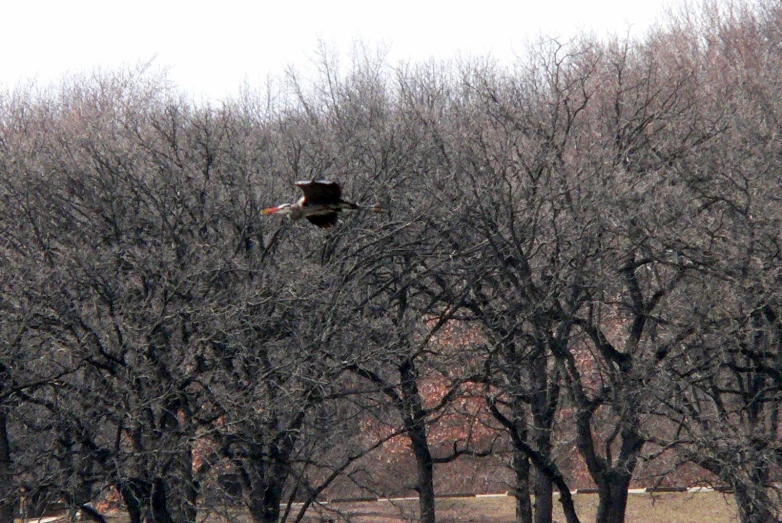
<point x="324" y="221"/>
<point x="320" y="191"/>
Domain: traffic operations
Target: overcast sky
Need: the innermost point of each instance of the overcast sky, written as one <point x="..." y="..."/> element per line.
<point x="211" y="48"/>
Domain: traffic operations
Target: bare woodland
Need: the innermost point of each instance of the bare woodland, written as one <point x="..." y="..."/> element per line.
<point x="580" y="262"/>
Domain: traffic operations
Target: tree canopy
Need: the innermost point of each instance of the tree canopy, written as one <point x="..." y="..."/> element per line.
<point x="576" y="278"/>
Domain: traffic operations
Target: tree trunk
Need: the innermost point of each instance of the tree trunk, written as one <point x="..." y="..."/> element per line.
<point x="268" y="471"/>
<point x="7" y="495"/>
<point x="750" y="511"/>
<point x="568" y="507"/>
<point x="174" y="496"/>
<point x="91" y="514"/>
<point x="147" y="502"/>
<point x="544" y="499"/>
<point x="414" y="418"/>
<point x="548" y="475"/>
<point x="612" y="477"/>
<point x="753" y="503"/>
<point x="544" y="401"/>
<point x="425" y="474"/>
<point x="613" y="497"/>
<point x="264" y="502"/>
<point x="179" y="488"/>
<point x="134" y="494"/>
<point x="159" y="503"/>
<point x="264" y="481"/>
<point x="521" y="469"/>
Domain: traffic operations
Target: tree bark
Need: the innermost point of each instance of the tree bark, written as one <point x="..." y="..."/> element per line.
<point x="544" y="499"/>
<point x="147" y="502"/>
<point x="415" y="424"/>
<point x="613" y="498"/>
<point x="91" y="514"/>
<point x="268" y="469"/>
<point x="753" y="503"/>
<point x="751" y="509"/>
<point x="612" y="478"/>
<point x="7" y="496"/>
<point x="159" y="503"/>
<point x="134" y="493"/>
<point x="425" y="477"/>
<point x="521" y="468"/>
<point x="543" y="466"/>
<point x="545" y="399"/>
<point x="264" y="502"/>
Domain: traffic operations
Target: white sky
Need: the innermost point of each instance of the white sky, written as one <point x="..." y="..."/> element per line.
<point x="211" y="48"/>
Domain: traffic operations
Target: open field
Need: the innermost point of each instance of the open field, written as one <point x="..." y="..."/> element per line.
<point x="642" y="508"/>
<point x="677" y="507"/>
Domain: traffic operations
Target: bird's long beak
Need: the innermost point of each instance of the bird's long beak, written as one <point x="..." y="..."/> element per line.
<point x="270" y="210"/>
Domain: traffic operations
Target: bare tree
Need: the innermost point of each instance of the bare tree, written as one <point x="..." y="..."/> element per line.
<point x="726" y="374"/>
<point x="602" y="220"/>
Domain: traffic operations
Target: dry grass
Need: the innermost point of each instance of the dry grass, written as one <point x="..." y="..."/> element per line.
<point x="642" y="508"/>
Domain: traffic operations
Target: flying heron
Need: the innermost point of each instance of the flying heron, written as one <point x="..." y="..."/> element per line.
<point x="321" y="204"/>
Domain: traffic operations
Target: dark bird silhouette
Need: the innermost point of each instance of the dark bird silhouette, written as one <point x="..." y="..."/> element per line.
<point x="321" y="204"/>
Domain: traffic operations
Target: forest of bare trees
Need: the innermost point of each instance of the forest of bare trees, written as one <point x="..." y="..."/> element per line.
<point x="578" y="269"/>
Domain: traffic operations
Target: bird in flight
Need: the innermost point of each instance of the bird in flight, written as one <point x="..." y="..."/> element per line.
<point x="321" y="204"/>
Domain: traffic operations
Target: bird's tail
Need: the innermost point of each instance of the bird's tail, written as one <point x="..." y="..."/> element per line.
<point x="375" y="207"/>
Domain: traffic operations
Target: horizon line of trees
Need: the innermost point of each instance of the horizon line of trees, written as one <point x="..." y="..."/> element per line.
<point x="583" y="248"/>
